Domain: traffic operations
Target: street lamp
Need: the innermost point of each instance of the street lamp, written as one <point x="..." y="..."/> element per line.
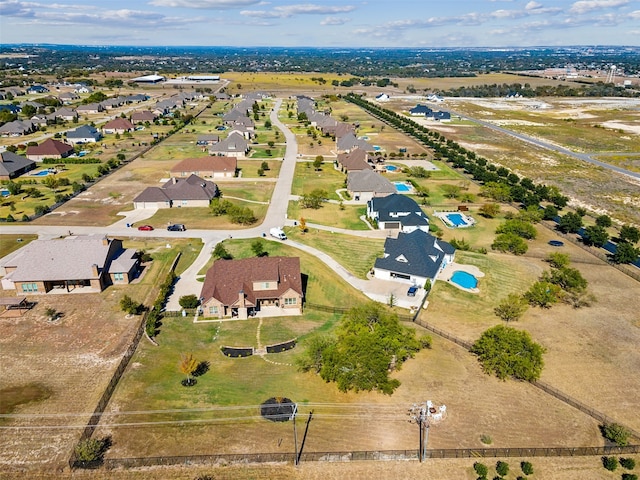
<point x="294" y="411"/>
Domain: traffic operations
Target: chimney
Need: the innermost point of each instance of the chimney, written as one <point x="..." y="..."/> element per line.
<point x="241" y="299"/>
<point x="174" y="180"/>
<point x="94" y="270"/>
<point x="105" y="240"/>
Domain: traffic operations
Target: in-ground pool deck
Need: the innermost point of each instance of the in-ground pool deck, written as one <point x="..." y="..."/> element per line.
<point x="444" y="216"/>
<point x="447" y="272"/>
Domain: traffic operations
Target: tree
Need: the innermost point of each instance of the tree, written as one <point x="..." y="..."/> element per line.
<point x="558" y="260"/>
<point x="595" y="235"/>
<point x="502" y="468"/>
<point x="518" y="227"/>
<point x="90" y="449"/>
<point x="570" y="223"/>
<point x="221" y="252"/>
<point x="267" y="124"/>
<point x="450" y="191"/>
<point x="314" y="199"/>
<point x="129" y="305"/>
<point x="550" y="212"/>
<point x="257" y="246"/>
<point x="13" y="188"/>
<point x="50" y="182"/>
<point x="629" y="233"/>
<point x="507" y="352"/>
<point x="604" y="221"/>
<point x="368" y="340"/>
<point x="317" y="163"/>
<point x="265" y="166"/>
<point x="51" y="313"/>
<point x="302" y="225"/>
<point x="615" y="433"/>
<point x="511" y="308"/>
<point x="489" y="210"/>
<point x="418" y="172"/>
<point x="188" y="365"/>
<point x="543" y="294"/>
<point x="526" y="468"/>
<point x="510" y="242"/>
<point x="625" y="253"/>
<point x="481" y="469"/>
<point x="567" y="278"/>
<point x="189" y="301"/>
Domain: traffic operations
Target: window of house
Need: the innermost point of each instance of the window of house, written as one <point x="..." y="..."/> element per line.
<point x="118" y="276"/>
<point x="213" y="310"/>
<point x="290" y="301"/>
<point x="29" y="287"/>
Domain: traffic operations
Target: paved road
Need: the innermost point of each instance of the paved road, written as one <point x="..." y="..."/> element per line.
<point x="550" y="146"/>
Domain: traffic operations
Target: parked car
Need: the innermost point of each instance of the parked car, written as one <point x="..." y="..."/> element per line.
<point x="412" y="291"/>
<point x="146" y="228"/>
<point x="177" y="227"/>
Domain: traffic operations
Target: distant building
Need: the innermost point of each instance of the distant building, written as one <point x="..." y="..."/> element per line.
<point x="50" y="148"/>
<point x="192" y="191"/>
<point x="13" y="165"/>
<point x="149" y="79"/>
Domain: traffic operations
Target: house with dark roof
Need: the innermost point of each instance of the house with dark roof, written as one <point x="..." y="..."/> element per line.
<point x="235" y="145"/>
<point x="363" y="185"/>
<point x="420" y="111"/>
<point x="413" y="258"/>
<point x="118" y="125"/>
<point x="83" y="134"/>
<point x="50" y="148"/>
<point x="397" y="212"/>
<point x="13" y="165"/>
<point x="354" y="161"/>
<point x="83" y="263"/>
<point x="192" y="191"/>
<point x="217" y="166"/>
<point x="271" y="286"/>
<point x="440" y="116"/>
<point x="37" y="89"/>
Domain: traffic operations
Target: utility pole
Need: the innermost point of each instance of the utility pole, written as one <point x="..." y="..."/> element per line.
<point x="418" y="414"/>
<point x="294" y="411"/>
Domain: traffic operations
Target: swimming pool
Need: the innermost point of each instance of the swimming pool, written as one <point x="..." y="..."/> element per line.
<point x="377" y="148"/>
<point x="41" y="173"/>
<point x="391" y="168"/>
<point x="402" y="187"/>
<point x="4" y="192"/>
<point x="464" y="279"/>
<point x="456" y="218"/>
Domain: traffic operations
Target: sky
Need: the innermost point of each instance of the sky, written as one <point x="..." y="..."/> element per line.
<point x="322" y="23"/>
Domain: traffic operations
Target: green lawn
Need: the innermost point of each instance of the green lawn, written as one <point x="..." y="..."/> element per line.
<point x="307" y="179"/>
<point x="12" y="242"/>
<point x="356" y="254"/>
<point x="331" y="214"/>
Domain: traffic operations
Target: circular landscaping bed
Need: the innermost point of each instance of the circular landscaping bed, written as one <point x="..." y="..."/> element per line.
<point x="277" y="409"/>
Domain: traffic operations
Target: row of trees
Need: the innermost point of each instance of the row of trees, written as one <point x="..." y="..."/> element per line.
<point x="497" y="182"/>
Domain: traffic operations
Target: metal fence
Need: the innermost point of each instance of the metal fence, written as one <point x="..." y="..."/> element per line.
<point x="371" y="455"/>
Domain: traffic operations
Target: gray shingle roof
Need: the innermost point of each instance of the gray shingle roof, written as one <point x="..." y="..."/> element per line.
<point x="369" y="181"/>
<point x="11" y="163"/>
<point x="70" y="258"/>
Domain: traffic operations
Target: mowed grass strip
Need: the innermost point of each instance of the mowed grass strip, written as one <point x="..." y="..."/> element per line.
<point x="356" y="254"/>
<point x="331" y="215"/>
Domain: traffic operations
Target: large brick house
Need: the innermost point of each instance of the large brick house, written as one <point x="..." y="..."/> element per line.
<point x="241" y="288"/>
<point x="83" y="263"/>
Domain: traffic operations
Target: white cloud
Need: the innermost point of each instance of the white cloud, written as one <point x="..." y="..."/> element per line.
<point x="507" y="14"/>
<point x="287" y="11"/>
<point x="532" y="5"/>
<point x="635" y="14"/>
<point x="585" y="6"/>
<point x="205" y="4"/>
<point x="335" y="21"/>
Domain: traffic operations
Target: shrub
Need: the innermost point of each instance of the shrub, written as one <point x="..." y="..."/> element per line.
<point x="481" y="469"/>
<point x="610" y="463"/>
<point x="486" y="439"/>
<point x="502" y="468"/>
<point x="189" y="301"/>
<point x="628" y="463"/>
<point x="130" y="306"/>
<point x="526" y="468"/>
<point x="90" y="450"/>
<point x="615" y="433"/>
<point x="629" y="476"/>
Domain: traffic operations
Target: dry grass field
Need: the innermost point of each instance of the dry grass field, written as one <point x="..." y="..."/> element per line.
<point x="60" y="368"/>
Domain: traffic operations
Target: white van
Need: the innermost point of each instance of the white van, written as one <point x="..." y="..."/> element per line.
<point x="278" y="233"/>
